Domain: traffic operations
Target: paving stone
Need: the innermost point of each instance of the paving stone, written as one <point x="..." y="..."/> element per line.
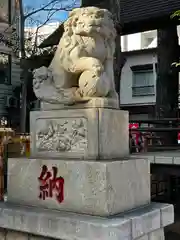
<point x="145" y="237"/>
<point x="145" y="220"/>
<point x="177" y="160"/>
<point x="163" y="160"/>
<point x="38" y="238"/>
<point x="2" y="234"/>
<point x="157" y="235"/>
<point x="149" y="158"/>
<point x="12" y="235"/>
<point x="167" y="215"/>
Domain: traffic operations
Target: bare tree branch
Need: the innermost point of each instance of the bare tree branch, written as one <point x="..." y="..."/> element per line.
<point x="50" y="14"/>
<point x="52" y="8"/>
<point x="40" y="9"/>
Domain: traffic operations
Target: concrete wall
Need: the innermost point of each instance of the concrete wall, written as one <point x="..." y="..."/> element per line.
<point x="133" y="59"/>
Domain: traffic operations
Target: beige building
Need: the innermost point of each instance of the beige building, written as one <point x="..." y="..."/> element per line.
<point x="138" y="83"/>
<point x="138" y="78"/>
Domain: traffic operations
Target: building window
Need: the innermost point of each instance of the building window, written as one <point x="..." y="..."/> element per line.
<point x="143" y="81"/>
<point x="5" y="68"/>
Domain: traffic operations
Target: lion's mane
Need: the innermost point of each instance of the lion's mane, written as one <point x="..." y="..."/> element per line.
<point x="78" y="28"/>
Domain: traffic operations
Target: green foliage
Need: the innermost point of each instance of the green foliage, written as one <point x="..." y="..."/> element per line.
<point x="176" y="64"/>
<point x="176" y="15"/>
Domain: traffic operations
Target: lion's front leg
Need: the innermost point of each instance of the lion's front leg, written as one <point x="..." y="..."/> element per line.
<point x="93" y="81"/>
<point x="87" y="64"/>
<point x="110" y="73"/>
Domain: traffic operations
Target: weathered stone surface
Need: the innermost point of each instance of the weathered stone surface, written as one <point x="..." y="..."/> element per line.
<point x="68" y="226"/>
<point x="93" y="103"/>
<point x="145" y="237"/>
<point x="157" y="235"/>
<point x="12" y="235"/>
<point x="167" y="215"/>
<point x="145" y="220"/>
<point x="80" y="70"/>
<point x="149" y="158"/>
<point x="98" y="188"/>
<point x="176" y="160"/>
<point x="163" y="159"/>
<point x="38" y="238"/>
<point x="80" y="134"/>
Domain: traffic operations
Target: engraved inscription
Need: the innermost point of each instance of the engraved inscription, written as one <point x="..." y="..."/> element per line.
<point x="51" y="184"/>
<point x="61" y="135"/>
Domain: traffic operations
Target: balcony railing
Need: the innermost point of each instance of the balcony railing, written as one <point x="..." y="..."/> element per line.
<point x="157" y="135"/>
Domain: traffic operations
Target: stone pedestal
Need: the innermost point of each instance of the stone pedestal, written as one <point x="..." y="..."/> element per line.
<point x="80" y="182"/>
<point x="96" y="188"/>
<point x="146" y="223"/>
<point x="95" y="133"/>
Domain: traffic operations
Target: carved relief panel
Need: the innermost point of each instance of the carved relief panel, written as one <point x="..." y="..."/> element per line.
<point x="61" y="135"/>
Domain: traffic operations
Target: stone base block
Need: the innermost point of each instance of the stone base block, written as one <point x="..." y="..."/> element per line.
<point x="142" y="224"/>
<point x="97" y="188"/>
<point x="93" y="103"/>
<point x="80" y="133"/>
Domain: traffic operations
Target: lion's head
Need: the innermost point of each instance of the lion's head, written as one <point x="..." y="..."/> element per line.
<point x="40" y="75"/>
<point x="90" y="20"/>
<point x="82" y="27"/>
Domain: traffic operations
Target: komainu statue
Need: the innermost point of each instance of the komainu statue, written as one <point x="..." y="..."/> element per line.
<point x="82" y="67"/>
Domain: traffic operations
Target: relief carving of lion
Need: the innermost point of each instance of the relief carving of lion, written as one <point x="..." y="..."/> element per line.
<point x="82" y="67"/>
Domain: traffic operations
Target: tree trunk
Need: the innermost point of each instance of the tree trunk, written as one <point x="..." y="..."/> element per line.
<point x="117" y="64"/>
<point x="114" y="8"/>
<point x="23" y="112"/>
<point x="167" y="86"/>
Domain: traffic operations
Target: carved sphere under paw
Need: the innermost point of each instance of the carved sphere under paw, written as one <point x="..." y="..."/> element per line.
<point x="92" y="86"/>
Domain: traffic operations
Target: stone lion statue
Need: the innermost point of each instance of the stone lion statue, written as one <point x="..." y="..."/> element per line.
<point x="82" y="67"/>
